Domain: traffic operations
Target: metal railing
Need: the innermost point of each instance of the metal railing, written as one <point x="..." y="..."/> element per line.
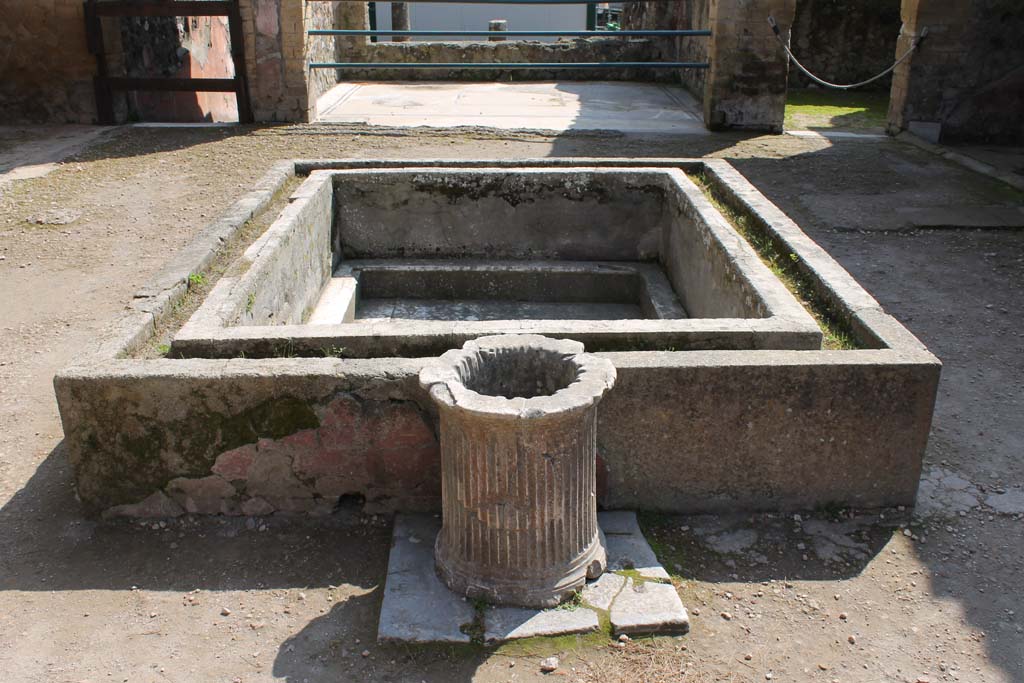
<point x="374" y="33"/>
<point x="104" y="84"/>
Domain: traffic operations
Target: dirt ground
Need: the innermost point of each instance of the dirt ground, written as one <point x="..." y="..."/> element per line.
<point x="896" y="595"/>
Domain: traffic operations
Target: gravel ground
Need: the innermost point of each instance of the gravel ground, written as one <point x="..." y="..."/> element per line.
<point x="896" y="595"/>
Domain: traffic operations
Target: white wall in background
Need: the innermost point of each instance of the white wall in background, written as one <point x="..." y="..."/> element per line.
<point x="440" y="16"/>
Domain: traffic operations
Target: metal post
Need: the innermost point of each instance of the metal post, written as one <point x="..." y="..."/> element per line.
<point x="399" y="20"/>
<point x="497" y="25"/>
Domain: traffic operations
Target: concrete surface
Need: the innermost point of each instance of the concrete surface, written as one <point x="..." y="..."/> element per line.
<point x="470" y="289"/>
<point x="380" y="310"/>
<point x="625" y="107"/>
<point x="600" y="593"/>
<point x="628" y="550"/>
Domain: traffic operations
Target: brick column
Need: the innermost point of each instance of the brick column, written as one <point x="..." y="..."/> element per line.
<point x="746" y="85"/>
<point x="276" y="59"/>
<point x="278" y="52"/>
<point x="922" y="82"/>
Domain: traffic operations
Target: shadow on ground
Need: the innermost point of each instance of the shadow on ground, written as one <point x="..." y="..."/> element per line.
<point x="46" y="544"/>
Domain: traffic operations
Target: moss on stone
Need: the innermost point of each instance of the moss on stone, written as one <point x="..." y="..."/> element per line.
<point x="140" y="468"/>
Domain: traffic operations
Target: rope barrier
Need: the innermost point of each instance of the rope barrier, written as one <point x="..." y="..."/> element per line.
<point x="778" y="37"/>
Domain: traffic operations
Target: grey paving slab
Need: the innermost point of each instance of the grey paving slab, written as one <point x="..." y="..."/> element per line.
<point x="512" y="623"/>
<point x="417" y="607"/>
<point x="627" y="547"/>
<point x="648" y="607"/>
<point x="618" y="522"/>
<point x="601" y="592"/>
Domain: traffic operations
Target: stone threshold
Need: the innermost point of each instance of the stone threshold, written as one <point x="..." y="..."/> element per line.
<point x="634" y="596"/>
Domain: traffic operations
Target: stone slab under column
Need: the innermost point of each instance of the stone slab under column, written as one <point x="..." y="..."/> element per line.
<point x="513" y="623"/>
<point x="419" y="608"/>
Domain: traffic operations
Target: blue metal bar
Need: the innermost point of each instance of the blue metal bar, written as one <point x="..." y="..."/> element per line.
<point x="509" y="65"/>
<point x="503" y="34"/>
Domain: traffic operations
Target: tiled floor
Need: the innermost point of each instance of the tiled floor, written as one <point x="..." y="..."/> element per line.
<point x="558" y="106"/>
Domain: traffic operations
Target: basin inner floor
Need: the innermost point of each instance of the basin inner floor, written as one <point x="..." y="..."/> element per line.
<point x="379" y="290"/>
<point x="377" y="310"/>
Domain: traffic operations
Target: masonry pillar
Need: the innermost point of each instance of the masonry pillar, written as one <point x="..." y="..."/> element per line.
<point x="278" y="52"/>
<point x="747" y="81"/>
<point x="915" y="101"/>
<point x="965" y="82"/>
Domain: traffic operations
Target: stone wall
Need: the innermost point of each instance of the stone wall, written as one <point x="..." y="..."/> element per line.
<point x="322" y="15"/>
<point x="181" y="47"/>
<point x="966" y="83"/>
<point x="275" y="37"/>
<point x="676" y="15"/>
<point x="45" y="67"/>
<point x="746" y="86"/>
<point x="278" y="52"/>
<point x="578" y="50"/>
<point x="354" y="16"/>
<point x="845" y="41"/>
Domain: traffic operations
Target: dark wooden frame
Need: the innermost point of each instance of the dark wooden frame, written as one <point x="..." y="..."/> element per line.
<point x="105" y="84"/>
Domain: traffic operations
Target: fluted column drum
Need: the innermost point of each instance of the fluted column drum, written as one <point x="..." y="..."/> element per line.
<point x="518" y="457"/>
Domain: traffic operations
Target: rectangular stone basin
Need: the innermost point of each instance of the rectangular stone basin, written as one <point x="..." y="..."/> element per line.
<point x="412" y="262"/>
<point x="293" y="387"/>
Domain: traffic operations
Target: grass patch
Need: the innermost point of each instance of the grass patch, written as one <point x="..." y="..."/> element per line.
<point x="545" y="646"/>
<point x="837" y="335"/>
<point x="657" y="527"/>
<point x="856" y="110"/>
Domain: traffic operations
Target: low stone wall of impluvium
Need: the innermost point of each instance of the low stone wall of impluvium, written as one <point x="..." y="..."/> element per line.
<point x="687" y="431"/>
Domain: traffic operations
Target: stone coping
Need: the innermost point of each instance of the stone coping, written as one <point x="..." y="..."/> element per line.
<point x="785" y="323"/>
<point x="111" y="353"/>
